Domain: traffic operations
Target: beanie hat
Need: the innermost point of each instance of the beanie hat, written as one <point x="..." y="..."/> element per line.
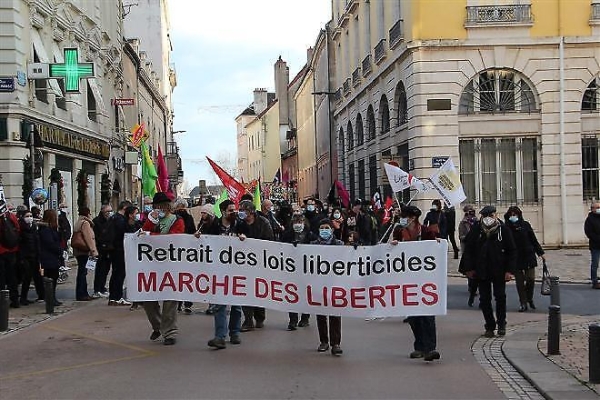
<point x="208" y="208"/>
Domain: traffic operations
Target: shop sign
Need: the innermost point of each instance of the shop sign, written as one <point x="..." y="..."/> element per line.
<point x="59" y="138"/>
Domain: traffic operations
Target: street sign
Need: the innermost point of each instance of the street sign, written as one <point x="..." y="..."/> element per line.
<point x="437" y="162"/>
<point x="38" y="71"/>
<point x="72" y="70"/>
<point x="122" y="102"/>
<point x="7" y="84"/>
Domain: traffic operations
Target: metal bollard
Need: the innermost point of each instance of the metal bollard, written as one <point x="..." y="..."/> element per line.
<point x="594" y="353"/>
<point x="4" y="310"/>
<point x="554" y="291"/>
<point x="49" y="295"/>
<point x="553" y="330"/>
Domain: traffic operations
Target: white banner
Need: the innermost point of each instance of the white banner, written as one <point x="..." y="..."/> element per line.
<point x="446" y="181"/>
<point x="369" y="281"/>
<point x="400" y="179"/>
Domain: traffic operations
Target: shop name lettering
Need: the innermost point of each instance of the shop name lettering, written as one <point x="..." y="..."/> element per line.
<point x="311" y="264"/>
<point x="69" y="140"/>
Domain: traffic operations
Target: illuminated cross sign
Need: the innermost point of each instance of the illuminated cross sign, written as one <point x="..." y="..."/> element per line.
<point x="71" y="70"/>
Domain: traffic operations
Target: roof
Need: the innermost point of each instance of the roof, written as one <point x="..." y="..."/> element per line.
<point x="247" y="111"/>
<point x="259" y="116"/>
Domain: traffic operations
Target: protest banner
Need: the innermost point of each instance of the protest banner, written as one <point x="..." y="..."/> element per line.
<point x="369" y="281"/>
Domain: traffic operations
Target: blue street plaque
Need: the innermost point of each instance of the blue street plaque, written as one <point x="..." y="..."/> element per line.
<point x="7" y="84"/>
<point x="437" y="162"/>
<point x="21" y="78"/>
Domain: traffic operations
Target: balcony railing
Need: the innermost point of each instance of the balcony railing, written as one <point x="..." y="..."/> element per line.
<point x="351" y="5"/>
<point x="347" y="86"/>
<point x="396" y="33"/>
<point x="596" y="13"/>
<point x="172" y="149"/>
<point x="366" y="65"/>
<point x="506" y="14"/>
<point x="379" y="51"/>
<point x="337" y="96"/>
<point x="356" y="77"/>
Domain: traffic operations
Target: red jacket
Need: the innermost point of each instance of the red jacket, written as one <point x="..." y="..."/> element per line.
<point x="15" y="221"/>
<point x="177" y="227"/>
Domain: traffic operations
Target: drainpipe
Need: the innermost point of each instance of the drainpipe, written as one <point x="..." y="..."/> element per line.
<point x="563" y="178"/>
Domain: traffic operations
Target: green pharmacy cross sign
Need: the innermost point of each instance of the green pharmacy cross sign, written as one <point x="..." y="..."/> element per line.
<point x="71" y="70"/>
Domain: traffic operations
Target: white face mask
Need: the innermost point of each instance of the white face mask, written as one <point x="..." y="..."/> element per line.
<point x="488" y="221"/>
<point x="337" y="215"/>
<point x="28" y="220"/>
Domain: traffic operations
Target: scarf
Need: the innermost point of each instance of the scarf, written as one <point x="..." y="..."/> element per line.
<point x="166" y="223"/>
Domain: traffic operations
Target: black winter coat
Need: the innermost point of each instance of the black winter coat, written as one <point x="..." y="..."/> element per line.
<point x="526" y="243"/>
<point x="188" y="221"/>
<point x="50" y="247"/>
<point x="28" y="244"/>
<point x="490" y="257"/>
<point x="592" y="230"/>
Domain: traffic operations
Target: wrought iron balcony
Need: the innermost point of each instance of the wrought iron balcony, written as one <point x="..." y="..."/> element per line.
<point x="396" y="33"/>
<point x="380" y="51"/>
<point x="337" y="96"/>
<point x="172" y="149"/>
<point x="346" y="86"/>
<point x="493" y="15"/>
<point x="367" y="67"/>
<point x="356" y="77"/>
<point x="351" y="5"/>
<point x="595" y="19"/>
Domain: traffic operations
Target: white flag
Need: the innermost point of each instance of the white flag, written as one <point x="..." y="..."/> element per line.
<point x="446" y="181"/>
<point x="400" y="179"/>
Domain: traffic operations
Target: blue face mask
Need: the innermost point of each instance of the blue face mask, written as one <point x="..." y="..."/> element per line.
<point x="148" y="208"/>
<point x="242" y="215"/>
<point x="161" y="214"/>
<point x="325" y="234"/>
<point x="403" y="222"/>
<point x="513" y="218"/>
<point x="310" y="208"/>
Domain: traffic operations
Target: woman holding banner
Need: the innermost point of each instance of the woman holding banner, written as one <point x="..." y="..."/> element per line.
<point x="335" y="322"/>
<point x="423" y="326"/>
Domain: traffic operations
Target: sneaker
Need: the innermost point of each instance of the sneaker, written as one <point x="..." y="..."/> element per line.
<point x="123" y="302"/>
<point x="169" y="341"/>
<point x="323" y="347"/>
<point x="501" y="330"/>
<point x="489" y="333"/>
<point x="432" y="355"/>
<point x="217" y="343"/>
<point x="235" y="339"/>
<point x="336" y="350"/>
<point x="112" y="303"/>
<point x="292" y="327"/>
<point x="104" y="295"/>
<point x="61" y="280"/>
<point x="155" y="335"/>
<point x="187" y="310"/>
<point x="416" y="354"/>
<point x="96" y="295"/>
<point x="523" y="308"/>
<point x="303" y="323"/>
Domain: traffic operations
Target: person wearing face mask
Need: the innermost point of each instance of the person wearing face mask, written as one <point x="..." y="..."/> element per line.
<point x="298" y="233"/>
<point x="464" y="227"/>
<point x="527" y="248"/>
<point x="64" y="227"/>
<point x="146" y="208"/>
<point x="28" y="256"/>
<point x="103" y="263"/>
<point x="253" y="226"/>
<point x="408" y="229"/>
<point x="84" y="225"/>
<point x="117" y="225"/>
<point x="132" y="216"/>
<point x="268" y="211"/>
<point x="332" y="334"/>
<point x="592" y="231"/>
<point x="338" y="221"/>
<point x="180" y="205"/>
<point x="435" y="222"/>
<point x="312" y="215"/>
<point x="162" y="221"/>
<point x="490" y="257"/>
<point x="360" y="223"/>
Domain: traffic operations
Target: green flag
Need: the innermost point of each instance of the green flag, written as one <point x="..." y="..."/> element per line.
<point x="224" y="196"/>
<point x="257" y="202"/>
<point x="149" y="175"/>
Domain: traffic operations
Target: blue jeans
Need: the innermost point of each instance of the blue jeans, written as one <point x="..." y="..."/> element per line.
<point x="594" y="265"/>
<point x="81" y="290"/>
<point x="235" y="320"/>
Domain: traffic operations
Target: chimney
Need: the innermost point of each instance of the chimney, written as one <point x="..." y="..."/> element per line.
<point x="309" y="54"/>
<point x="260" y="100"/>
<point x="282" y="80"/>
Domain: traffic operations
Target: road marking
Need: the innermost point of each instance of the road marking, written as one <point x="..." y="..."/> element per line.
<point x="145" y="353"/>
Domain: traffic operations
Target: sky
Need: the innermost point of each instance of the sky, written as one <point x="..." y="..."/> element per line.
<point x="222" y="51"/>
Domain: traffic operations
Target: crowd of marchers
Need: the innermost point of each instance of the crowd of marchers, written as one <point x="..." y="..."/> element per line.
<point x="494" y="251"/>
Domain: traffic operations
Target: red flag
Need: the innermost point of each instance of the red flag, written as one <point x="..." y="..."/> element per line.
<point x="343" y="194"/>
<point x="162" y="183"/>
<point x="235" y="190"/>
<point x="387" y="209"/>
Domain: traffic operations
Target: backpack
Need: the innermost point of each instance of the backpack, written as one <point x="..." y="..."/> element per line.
<point x="9" y="233"/>
<point x="105" y="240"/>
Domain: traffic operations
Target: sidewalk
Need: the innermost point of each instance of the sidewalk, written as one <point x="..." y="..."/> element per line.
<point x="558" y="377"/>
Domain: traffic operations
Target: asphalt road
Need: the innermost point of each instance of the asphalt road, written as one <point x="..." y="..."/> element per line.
<point x="100" y="352"/>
